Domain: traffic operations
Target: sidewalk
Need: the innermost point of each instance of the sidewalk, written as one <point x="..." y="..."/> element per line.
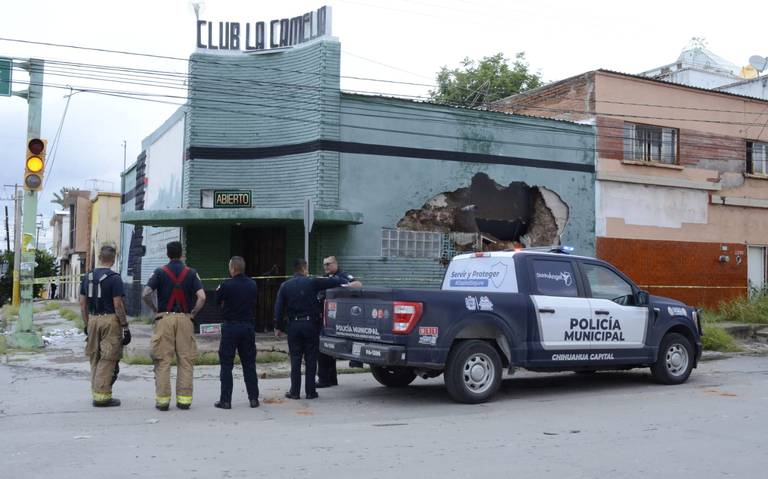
<point x="64" y="351"/>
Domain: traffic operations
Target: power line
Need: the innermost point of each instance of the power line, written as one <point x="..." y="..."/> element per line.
<point x="239" y="94"/>
<point x="590" y="149"/>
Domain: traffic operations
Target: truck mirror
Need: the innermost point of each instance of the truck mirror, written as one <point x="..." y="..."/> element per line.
<point x="643" y="298"/>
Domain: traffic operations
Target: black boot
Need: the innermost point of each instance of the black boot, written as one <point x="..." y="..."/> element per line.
<point x="222" y="405"/>
<point x="254" y="402"/>
<point x="108" y="403"/>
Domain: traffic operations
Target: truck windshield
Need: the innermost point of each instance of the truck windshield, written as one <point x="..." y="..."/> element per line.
<point x="483" y="274"/>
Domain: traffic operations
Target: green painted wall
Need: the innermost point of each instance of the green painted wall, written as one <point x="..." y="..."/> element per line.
<point x="276" y="98"/>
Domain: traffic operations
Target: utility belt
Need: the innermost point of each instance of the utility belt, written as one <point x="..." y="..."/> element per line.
<point x="302" y="318"/>
<point x="162" y="314"/>
<point x="101" y="315"/>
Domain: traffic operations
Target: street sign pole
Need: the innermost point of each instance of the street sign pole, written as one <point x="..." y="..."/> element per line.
<point x="24" y="335"/>
<point x="309" y="220"/>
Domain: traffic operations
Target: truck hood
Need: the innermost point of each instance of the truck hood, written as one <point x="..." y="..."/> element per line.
<point x="664" y="301"/>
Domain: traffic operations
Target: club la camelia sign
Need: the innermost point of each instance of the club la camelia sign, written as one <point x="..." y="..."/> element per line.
<point x="255" y="36"/>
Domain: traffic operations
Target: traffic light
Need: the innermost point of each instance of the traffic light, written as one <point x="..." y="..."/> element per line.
<point x="34" y="166"/>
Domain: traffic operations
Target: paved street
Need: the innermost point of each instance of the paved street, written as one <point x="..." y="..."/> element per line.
<point x="564" y="425"/>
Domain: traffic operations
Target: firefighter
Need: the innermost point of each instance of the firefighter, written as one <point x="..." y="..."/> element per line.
<point x="180" y="296"/>
<point x="106" y="327"/>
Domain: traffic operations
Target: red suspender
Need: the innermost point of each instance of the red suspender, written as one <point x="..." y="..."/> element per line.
<point x="177" y="294"/>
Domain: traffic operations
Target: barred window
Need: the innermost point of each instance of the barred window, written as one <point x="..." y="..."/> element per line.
<point x="650" y="143"/>
<point x="411" y="244"/>
<point x="757" y="158"/>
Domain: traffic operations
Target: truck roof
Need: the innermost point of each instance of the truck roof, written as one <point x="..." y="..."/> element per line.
<point x="510" y="254"/>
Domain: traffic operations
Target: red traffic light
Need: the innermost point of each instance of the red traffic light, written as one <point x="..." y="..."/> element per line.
<point x="36" y="146"/>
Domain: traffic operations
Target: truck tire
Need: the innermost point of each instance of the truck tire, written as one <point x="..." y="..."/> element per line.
<point x="675" y="361"/>
<point x="393" y="377"/>
<point x="473" y="371"/>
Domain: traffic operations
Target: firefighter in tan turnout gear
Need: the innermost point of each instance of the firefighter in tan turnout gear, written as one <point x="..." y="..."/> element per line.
<point x="103" y="311"/>
<point x="180" y="297"/>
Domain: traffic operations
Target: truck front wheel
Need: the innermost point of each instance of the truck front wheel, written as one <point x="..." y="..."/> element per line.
<point x="473" y="371"/>
<point x="393" y="377"/>
<point x="675" y="360"/>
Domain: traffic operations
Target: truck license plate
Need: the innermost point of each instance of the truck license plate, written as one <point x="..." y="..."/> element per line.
<point x="356" y="348"/>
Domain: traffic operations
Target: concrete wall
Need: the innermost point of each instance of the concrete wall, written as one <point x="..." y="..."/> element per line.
<point x="165" y="157"/>
<point x="757" y="88"/>
<point x="105" y="224"/>
<point x="385" y="187"/>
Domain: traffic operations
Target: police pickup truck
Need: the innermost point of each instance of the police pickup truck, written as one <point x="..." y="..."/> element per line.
<point x="542" y="311"/>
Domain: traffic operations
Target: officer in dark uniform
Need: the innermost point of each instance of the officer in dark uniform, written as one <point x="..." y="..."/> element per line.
<point x="180" y="296"/>
<point x="106" y="326"/>
<point x="326" y="365"/>
<point x="296" y="313"/>
<point x="237" y="296"/>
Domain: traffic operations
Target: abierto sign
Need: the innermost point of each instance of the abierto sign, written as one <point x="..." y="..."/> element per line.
<point x="255" y="36"/>
<point x="225" y="199"/>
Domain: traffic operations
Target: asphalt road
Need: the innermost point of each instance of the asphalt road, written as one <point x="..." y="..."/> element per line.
<point x="610" y="425"/>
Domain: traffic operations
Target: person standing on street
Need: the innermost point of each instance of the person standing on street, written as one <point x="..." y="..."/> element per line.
<point x="106" y="327"/>
<point x="178" y="288"/>
<point x="296" y="313"/>
<point x="326" y="365"/>
<point x="237" y="297"/>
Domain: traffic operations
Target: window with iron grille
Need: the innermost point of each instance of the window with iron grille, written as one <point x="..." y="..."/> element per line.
<point x="411" y="244"/>
<point x="650" y="143"/>
<point x="757" y="158"/>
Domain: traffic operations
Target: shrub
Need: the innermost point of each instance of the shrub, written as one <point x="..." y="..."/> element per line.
<point x="716" y="338"/>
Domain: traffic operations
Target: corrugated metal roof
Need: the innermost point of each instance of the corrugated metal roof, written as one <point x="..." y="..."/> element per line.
<point x="466" y="108"/>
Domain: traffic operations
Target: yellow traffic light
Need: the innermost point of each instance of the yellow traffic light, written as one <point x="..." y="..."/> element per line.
<point x="34" y="164"/>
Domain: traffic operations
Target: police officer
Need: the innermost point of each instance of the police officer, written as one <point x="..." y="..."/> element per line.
<point x="180" y="297"/>
<point x="103" y="311"/>
<point x="326" y="365"/>
<point x="296" y="313"/>
<point x="237" y="296"/>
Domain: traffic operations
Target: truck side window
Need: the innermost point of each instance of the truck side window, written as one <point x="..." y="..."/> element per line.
<point x="554" y="278"/>
<point x="606" y="284"/>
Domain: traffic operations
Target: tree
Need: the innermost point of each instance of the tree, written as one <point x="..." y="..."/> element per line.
<point x="46" y="267"/>
<point x="58" y="198"/>
<point x="480" y="83"/>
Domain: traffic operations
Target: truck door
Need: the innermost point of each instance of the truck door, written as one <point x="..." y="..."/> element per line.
<point x="558" y="303"/>
<point x="616" y="323"/>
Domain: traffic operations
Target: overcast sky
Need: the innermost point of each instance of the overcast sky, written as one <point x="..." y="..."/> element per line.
<point x="400" y="40"/>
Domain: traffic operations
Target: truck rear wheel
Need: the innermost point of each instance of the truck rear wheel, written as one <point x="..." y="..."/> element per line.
<point x="675" y="361"/>
<point x="393" y="377"/>
<point x="473" y="372"/>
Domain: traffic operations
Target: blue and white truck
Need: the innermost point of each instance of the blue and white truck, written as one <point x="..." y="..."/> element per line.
<point x="541" y="311"/>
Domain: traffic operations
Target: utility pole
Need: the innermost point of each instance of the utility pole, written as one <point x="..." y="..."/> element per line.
<point x="7" y="232"/>
<point x="16" y="245"/>
<point x="24" y="335"/>
<point x="125" y="146"/>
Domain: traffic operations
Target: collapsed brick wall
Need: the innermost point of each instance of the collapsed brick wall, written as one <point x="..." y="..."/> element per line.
<point x="509" y="216"/>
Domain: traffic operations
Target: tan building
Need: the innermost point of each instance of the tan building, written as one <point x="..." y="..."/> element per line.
<point x="682" y="179"/>
<point x="105" y="224"/>
<point x="76" y="240"/>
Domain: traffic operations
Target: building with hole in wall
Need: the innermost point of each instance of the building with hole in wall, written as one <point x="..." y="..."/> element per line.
<point x="397" y="186"/>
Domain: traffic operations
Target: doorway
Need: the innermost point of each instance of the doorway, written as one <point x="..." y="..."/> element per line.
<point x="756" y="268"/>
<point x="264" y="252"/>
